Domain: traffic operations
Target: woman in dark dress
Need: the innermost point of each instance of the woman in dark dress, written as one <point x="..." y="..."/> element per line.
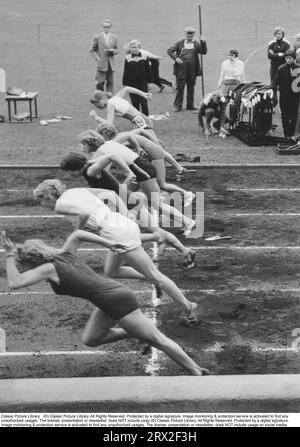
<point x="114" y="303"/>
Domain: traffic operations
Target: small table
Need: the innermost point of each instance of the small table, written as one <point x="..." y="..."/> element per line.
<point x="26" y="96"/>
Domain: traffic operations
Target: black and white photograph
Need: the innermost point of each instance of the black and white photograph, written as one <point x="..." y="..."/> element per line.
<point x="149" y="238"/>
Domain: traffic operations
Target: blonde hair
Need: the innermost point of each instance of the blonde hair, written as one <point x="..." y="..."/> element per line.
<point x="92" y="138"/>
<point x="99" y="95"/>
<point x="108" y="131"/>
<point x="48" y="189"/>
<point x="135" y="42"/>
<point x="35" y="252"/>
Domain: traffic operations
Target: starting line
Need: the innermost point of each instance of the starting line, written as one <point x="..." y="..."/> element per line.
<point x="220" y="215"/>
<point x="205" y="189"/>
<point x="213" y="247"/>
<point x="216" y="348"/>
<point x="181" y="394"/>
<point x="208" y="291"/>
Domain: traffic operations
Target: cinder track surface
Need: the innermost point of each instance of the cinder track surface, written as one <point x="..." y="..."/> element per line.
<point x="247" y="287"/>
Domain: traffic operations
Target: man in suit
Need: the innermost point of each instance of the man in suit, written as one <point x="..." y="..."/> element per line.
<point x="286" y="79"/>
<point x="103" y="49"/>
<point x="185" y="54"/>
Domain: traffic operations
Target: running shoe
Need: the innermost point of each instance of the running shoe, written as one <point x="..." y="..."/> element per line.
<point x="190" y="260"/>
<point x="188" y="229"/>
<point x="223" y="130"/>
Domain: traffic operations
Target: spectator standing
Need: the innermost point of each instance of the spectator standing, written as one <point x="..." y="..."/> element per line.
<point x="154" y="64"/>
<point x="104" y="48"/>
<point x="232" y="72"/>
<point x="276" y="50"/>
<point x="185" y="54"/>
<point x="289" y="99"/>
<point x="137" y="74"/>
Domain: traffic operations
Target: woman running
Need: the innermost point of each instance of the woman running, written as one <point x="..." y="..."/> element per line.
<point x="143" y="142"/>
<point x="143" y="170"/>
<point x="76" y="165"/>
<point x="118" y="106"/>
<point x="90" y="210"/>
<point x="114" y="303"/>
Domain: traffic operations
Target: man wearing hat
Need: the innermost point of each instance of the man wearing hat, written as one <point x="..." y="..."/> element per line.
<point x="286" y="79"/>
<point x="185" y="54"/>
<point x="103" y="49"/>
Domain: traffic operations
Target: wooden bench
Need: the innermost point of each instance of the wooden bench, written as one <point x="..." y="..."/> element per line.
<point x="26" y="96"/>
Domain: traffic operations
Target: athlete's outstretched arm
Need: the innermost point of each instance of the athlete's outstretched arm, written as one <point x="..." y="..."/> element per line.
<point x="99" y="163"/>
<point x="133" y="90"/>
<point x="15" y="279"/>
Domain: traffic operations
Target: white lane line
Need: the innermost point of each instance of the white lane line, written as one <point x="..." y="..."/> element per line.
<point x="32" y="216"/>
<point x="14" y="16"/>
<point x="263" y="189"/>
<point x="204" y="291"/>
<point x="211" y="247"/>
<point x="256" y="215"/>
<point x="79" y="249"/>
<point x="52" y="293"/>
<point x="219" y="347"/>
<point x="236" y="247"/>
<point x="215" y="348"/>
<point x="242" y="289"/>
<point x="186" y="164"/>
<point x="220" y="215"/>
<point x="49" y="353"/>
<point x="205" y="189"/>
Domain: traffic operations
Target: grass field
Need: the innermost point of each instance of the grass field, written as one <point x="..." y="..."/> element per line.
<point x="45" y="48"/>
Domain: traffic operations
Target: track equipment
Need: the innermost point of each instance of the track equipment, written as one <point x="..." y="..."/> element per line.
<point x="251" y="113"/>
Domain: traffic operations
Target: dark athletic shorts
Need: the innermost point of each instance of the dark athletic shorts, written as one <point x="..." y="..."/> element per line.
<point x="116" y="303"/>
<point x="146" y="166"/>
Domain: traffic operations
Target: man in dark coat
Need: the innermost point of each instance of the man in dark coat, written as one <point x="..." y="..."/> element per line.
<point x="185" y="53"/>
<point x="288" y="84"/>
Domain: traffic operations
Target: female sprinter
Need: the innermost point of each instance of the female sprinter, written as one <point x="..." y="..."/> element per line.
<point x="144" y="143"/>
<point x="118" y="106"/>
<point x="144" y="171"/>
<point x="114" y="303"/>
<point x="90" y="210"/>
